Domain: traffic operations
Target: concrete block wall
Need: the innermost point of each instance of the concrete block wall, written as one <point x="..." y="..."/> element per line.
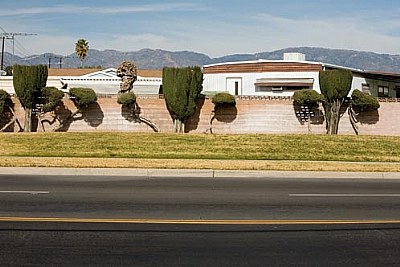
<point x="249" y="116"/>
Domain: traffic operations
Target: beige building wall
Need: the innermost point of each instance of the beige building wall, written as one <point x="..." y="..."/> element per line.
<point x="255" y="115"/>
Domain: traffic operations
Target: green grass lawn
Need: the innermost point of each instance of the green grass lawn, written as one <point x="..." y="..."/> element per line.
<point x="212" y="147"/>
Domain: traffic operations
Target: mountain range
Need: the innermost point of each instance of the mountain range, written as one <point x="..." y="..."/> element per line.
<point x="157" y="59"/>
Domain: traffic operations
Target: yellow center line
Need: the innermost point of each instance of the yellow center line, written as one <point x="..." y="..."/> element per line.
<point x="201" y="222"/>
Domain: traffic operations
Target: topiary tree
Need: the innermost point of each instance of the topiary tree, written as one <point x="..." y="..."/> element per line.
<point x="306" y="103"/>
<point x="220" y="101"/>
<point x="127" y="71"/>
<point x="182" y="87"/>
<point x="128" y="102"/>
<point x="5" y="101"/>
<point x="82" y="99"/>
<point x="307" y="97"/>
<point x="7" y="114"/>
<point x="361" y="102"/>
<point x="223" y="99"/>
<point x="28" y="81"/>
<point x="50" y="100"/>
<point x="335" y="86"/>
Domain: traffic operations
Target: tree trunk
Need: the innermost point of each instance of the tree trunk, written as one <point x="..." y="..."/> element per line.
<point x="148" y="123"/>
<point x="211" y="118"/>
<point x="136" y="115"/>
<point x="28" y="120"/>
<point x="179" y="126"/>
<point x="353" y="119"/>
<point x="41" y="122"/>
<point x="333" y="127"/>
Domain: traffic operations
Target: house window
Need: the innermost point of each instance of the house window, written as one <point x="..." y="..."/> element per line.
<point x="236" y="88"/>
<point x="365" y="89"/>
<point x="397" y="91"/>
<point x="383" y="91"/>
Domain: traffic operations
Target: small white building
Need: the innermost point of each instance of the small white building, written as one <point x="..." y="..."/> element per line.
<point x="281" y="78"/>
<point x="107" y="82"/>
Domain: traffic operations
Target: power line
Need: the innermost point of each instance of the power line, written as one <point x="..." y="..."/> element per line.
<point x="9" y="35"/>
<point x="22" y="50"/>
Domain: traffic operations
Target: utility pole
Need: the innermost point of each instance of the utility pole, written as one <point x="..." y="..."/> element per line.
<point x="60" y="58"/>
<point x="9" y="35"/>
<point x="2" y="53"/>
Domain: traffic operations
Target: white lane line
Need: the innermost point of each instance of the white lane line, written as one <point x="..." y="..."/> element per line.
<point x="344" y="195"/>
<point x="25" y="192"/>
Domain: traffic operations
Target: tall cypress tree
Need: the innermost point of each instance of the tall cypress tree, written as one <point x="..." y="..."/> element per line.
<point x="335" y="86"/>
<point x="28" y="81"/>
<point x="182" y="87"/>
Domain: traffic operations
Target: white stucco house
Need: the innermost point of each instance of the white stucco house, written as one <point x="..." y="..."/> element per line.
<point x="281" y="78"/>
<point x="102" y="81"/>
<point x="107" y="82"/>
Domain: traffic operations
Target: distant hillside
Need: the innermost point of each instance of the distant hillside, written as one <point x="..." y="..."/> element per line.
<point x="157" y="59"/>
<point x="347" y="58"/>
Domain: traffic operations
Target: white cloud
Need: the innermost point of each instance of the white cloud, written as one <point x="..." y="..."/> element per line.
<point x="73" y="9"/>
<point x="222" y="36"/>
<point x="352" y="33"/>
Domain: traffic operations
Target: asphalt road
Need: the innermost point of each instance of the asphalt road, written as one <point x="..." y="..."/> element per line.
<point x="198" y="198"/>
<point x="141" y="221"/>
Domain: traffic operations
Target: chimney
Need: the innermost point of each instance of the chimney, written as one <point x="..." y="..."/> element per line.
<point x="294" y="57"/>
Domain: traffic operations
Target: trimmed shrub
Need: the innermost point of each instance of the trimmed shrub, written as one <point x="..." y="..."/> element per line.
<point x="307" y="97"/>
<point x="52" y="98"/>
<point x="83" y="97"/>
<point x="223" y="99"/>
<point x="127" y="99"/>
<point x="5" y="100"/>
<point x="364" y="102"/>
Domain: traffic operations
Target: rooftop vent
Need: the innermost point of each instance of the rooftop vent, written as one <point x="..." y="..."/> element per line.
<point x="294" y="57"/>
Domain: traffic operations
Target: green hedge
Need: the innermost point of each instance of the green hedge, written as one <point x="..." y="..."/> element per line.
<point x="5" y="100"/>
<point x="52" y="98"/>
<point x="127" y="99"/>
<point x="307" y="97"/>
<point x="83" y="97"/>
<point x="223" y="99"/>
<point x="364" y="102"/>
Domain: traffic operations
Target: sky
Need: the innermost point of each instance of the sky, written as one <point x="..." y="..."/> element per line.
<point x="212" y="27"/>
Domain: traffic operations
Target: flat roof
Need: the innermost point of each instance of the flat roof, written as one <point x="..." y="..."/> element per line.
<point x="328" y="65"/>
<point x="81" y="72"/>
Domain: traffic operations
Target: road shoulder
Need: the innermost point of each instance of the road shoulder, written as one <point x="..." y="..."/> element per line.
<point x="137" y="172"/>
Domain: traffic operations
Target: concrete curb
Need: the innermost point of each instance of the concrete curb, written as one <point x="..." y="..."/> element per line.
<point x="195" y="173"/>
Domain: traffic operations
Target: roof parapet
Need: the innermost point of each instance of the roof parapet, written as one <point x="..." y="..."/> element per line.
<point x="294" y="57"/>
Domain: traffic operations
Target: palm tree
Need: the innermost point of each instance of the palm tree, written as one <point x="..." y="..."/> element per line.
<point x="82" y="49"/>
